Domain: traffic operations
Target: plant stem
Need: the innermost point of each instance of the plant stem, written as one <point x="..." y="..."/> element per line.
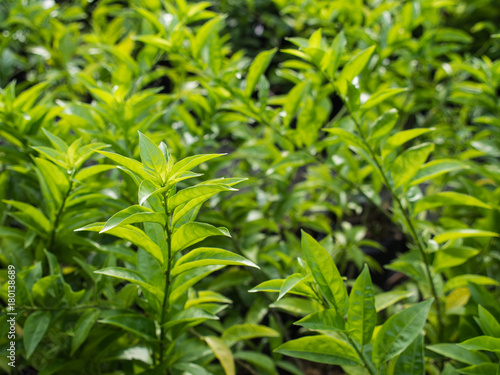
<point x="60" y="211"/>
<point x="165" y="305"/>
<point x="361" y="355"/>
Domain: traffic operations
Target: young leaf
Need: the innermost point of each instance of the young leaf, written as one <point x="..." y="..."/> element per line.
<point x="447" y="198"/>
<point x="134" y="323"/>
<point x="240" y="332"/>
<point x="356" y="64"/>
<point x="204" y="256"/>
<point x="463" y="233"/>
<point x="83" y="327"/>
<point x="325" y="273"/>
<point x="134" y="277"/>
<point x="456" y="352"/>
<point x="190" y="162"/>
<point x="223" y="354"/>
<point x="152" y="157"/>
<point x="384" y="124"/>
<point x="290" y="282"/>
<point x="30" y="216"/>
<point x="412" y="361"/>
<point x="324" y="320"/>
<point x="402" y="137"/>
<point x="409" y="162"/>
<point x="35" y="327"/>
<point x="92" y="170"/>
<point x="258" y="67"/>
<point x="379" y="97"/>
<point x="193" y="232"/>
<point x="131" y="215"/>
<point x="132" y="234"/>
<point x="398" y="332"/>
<point x="488" y="343"/>
<point x="322" y="349"/>
<point x="362" y="317"/>
<point x="196" y="192"/>
<point x="131" y="164"/>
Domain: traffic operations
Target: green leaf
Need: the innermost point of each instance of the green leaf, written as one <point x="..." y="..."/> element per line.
<point x="325" y="273"/>
<point x="447" y="198"/>
<point x="209" y="28"/>
<point x="257" y="68"/>
<point x="463" y="280"/>
<point x="324" y="320"/>
<point x="274" y="286"/>
<point x="247" y="331"/>
<point x="83" y="328"/>
<point x="384" y="300"/>
<point x="463" y="233"/>
<point x="337" y="49"/>
<point x="399" y="331"/>
<point x="362" y="317"/>
<point x="293" y="100"/>
<point x="92" y="170"/>
<point x="357" y="64"/>
<point x="452" y="257"/>
<point x="203" y="192"/>
<point x="131" y="164"/>
<point x="189" y="315"/>
<point x="482" y="369"/>
<point x="193" y="232"/>
<point x="349" y="138"/>
<point x="402" y="137"/>
<point x="133" y="214"/>
<point x="488" y="323"/>
<point x="190" y="162"/>
<point x="409" y="162"/>
<point x="132" y="234"/>
<point x="297" y="306"/>
<point x="35" y="327"/>
<point x="322" y="349"/>
<point x="134" y="277"/>
<point x="259" y="360"/>
<point x="204" y="256"/>
<point x="290" y="282"/>
<point x="223" y="354"/>
<point x="488" y="343"/>
<point x="379" y="97"/>
<point x="384" y="124"/>
<point x="456" y="352"/>
<point x="436" y="168"/>
<point x="30" y="217"/>
<point x="152" y="157"/>
<point x="57" y="142"/>
<point x="154" y="41"/>
<point x="134" y="323"/>
<point x="412" y="360"/>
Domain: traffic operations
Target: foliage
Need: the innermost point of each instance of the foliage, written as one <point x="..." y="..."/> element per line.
<point x="365" y="141"/>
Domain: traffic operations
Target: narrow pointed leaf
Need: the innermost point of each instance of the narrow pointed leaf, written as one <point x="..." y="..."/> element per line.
<point x="134" y="277"/>
<point x="35" y="327"/>
<point x="399" y="331"/>
<point x="204" y="256"/>
<point x="133" y="214"/>
<point x="134" y="323"/>
<point x="222" y="353"/>
<point x="325" y="273"/>
<point x="83" y="328"/>
<point x="258" y="67"/>
<point x="362" y="317"/>
<point x="191" y="233"/>
<point x="322" y="349"/>
<point x="151" y="156"/>
<point x="324" y="320"/>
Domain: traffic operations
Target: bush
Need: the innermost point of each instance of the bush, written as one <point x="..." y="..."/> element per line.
<point x="363" y="138"/>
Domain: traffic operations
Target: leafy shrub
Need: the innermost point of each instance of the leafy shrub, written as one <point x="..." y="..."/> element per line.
<point x="374" y="124"/>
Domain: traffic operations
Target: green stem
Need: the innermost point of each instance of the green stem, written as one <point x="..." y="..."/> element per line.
<point x="168" y="281"/>
<point x="60" y="211"/>
<point x="361" y="355"/>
